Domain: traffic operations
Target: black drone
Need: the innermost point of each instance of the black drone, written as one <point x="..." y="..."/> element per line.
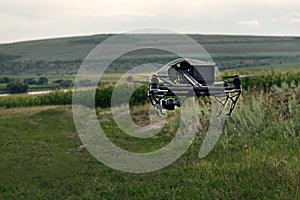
<point x="188" y="77"/>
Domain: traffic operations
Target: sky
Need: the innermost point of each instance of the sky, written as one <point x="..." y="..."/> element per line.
<point x="35" y="19"/>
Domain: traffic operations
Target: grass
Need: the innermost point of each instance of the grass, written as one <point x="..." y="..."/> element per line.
<point x="3" y="89"/>
<point x="267" y="68"/>
<point x="63" y="56"/>
<point x="257" y="157"/>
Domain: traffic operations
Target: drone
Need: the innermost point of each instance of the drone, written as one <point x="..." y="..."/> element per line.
<point x="186" y="77"/>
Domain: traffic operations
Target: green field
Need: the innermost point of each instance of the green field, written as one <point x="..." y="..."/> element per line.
<point x="3" y="89"/>
<point x="266" y="69"/>
<point x="63" y="56"/>
<point x="257" y="156"/>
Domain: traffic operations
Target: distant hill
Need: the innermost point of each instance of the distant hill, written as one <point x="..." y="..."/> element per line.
<point x="63" y="56"/>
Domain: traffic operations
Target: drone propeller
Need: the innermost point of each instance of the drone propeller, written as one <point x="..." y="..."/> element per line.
<point x="240" y="76"/>
<point x="137" y="79"/>
<point x="141" y="75"/>
<point x="222" y="82"/>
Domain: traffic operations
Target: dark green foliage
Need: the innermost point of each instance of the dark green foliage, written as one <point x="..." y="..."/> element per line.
<point x="63" y="83"/>
<point x="103" y="96"/>
<point x="30" y="81"/>
<point x="17" y="87"/>
<point x="5" y="80"/>
<point x="267" y="81"/>
<point x="42" y="81"/>
<point x="139" y="96"/>
<point x="55" y="86"/>
<point x="6" y="58"/>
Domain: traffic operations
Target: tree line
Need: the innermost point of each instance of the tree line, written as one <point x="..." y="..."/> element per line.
<point x="17" y="86"/>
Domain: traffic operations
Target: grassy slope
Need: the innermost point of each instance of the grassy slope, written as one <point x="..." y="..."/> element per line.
<point x="41" y="157"/>
<point x="227" y="51"/>
<point x="77" y="47"/>
<point x="52" y="49"/>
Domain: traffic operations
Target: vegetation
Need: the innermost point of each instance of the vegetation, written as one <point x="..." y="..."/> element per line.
<point x="139" y="97"/>
<point x="63" y="56"/>
<point x="102" y="98"/>
<point x="256" y="157"/>
<point x="42" y="81"/>
<point x="17" y="87"/>
<point x="53" y="98"/>
<point x="4" y="80"/>
<point x="267" y="80"/>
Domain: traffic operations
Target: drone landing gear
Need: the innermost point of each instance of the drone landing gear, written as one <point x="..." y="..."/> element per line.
<point x="156" y="104"/>
<point x="234" y="98"/>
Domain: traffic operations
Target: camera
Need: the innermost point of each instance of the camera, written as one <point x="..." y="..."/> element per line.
<point x="169" y="104"/>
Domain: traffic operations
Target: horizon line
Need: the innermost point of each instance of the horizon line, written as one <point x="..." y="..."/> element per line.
<point x="111" y="33"/>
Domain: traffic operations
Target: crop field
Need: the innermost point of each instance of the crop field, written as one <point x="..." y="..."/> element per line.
<point x="44" y="158"/>
<point x="266" y="69"/>
<point x="256" y="156"/>
<point x="3" y="89"/>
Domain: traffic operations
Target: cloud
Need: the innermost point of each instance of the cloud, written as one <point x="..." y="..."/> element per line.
<point x="133" y="14"/>
<point x="40" y="19"/>
<point x="251" y="23"/>
<point x="277" y="3"/>
<point x="292" y="17"/>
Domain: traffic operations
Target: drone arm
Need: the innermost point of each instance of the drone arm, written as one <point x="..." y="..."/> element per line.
<point x="157" y="94"/>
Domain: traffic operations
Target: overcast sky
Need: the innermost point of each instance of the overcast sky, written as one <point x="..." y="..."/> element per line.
<point x="35" y="19"/>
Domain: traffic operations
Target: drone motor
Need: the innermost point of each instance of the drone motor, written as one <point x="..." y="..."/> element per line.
<point x="170" y="103"/>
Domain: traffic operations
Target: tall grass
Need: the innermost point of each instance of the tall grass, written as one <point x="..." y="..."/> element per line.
<point x="256" y="86"/>
<point x="269" y="115"/>
<point x="257" y="157"/>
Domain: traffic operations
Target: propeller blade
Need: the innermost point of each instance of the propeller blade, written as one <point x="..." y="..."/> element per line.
<point x="221" y="82"/>
<point x="142" y="75"/>
<point x="142" y="82"/>
<point x="137" y="79"/>
<point x="241" y="76"/>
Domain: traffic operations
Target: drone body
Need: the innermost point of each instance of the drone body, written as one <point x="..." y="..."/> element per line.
<point x="188" y="77"/>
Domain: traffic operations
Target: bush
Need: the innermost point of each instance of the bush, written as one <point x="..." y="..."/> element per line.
<point x="42" y="81"/>
<point x="63" y="83"/>
<point x="17" y="87"/>
<point x="30" y="81"/>
<point x="5" y="80"/>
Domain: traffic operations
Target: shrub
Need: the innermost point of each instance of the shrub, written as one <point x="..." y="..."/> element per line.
<point x="17" y="87"/>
